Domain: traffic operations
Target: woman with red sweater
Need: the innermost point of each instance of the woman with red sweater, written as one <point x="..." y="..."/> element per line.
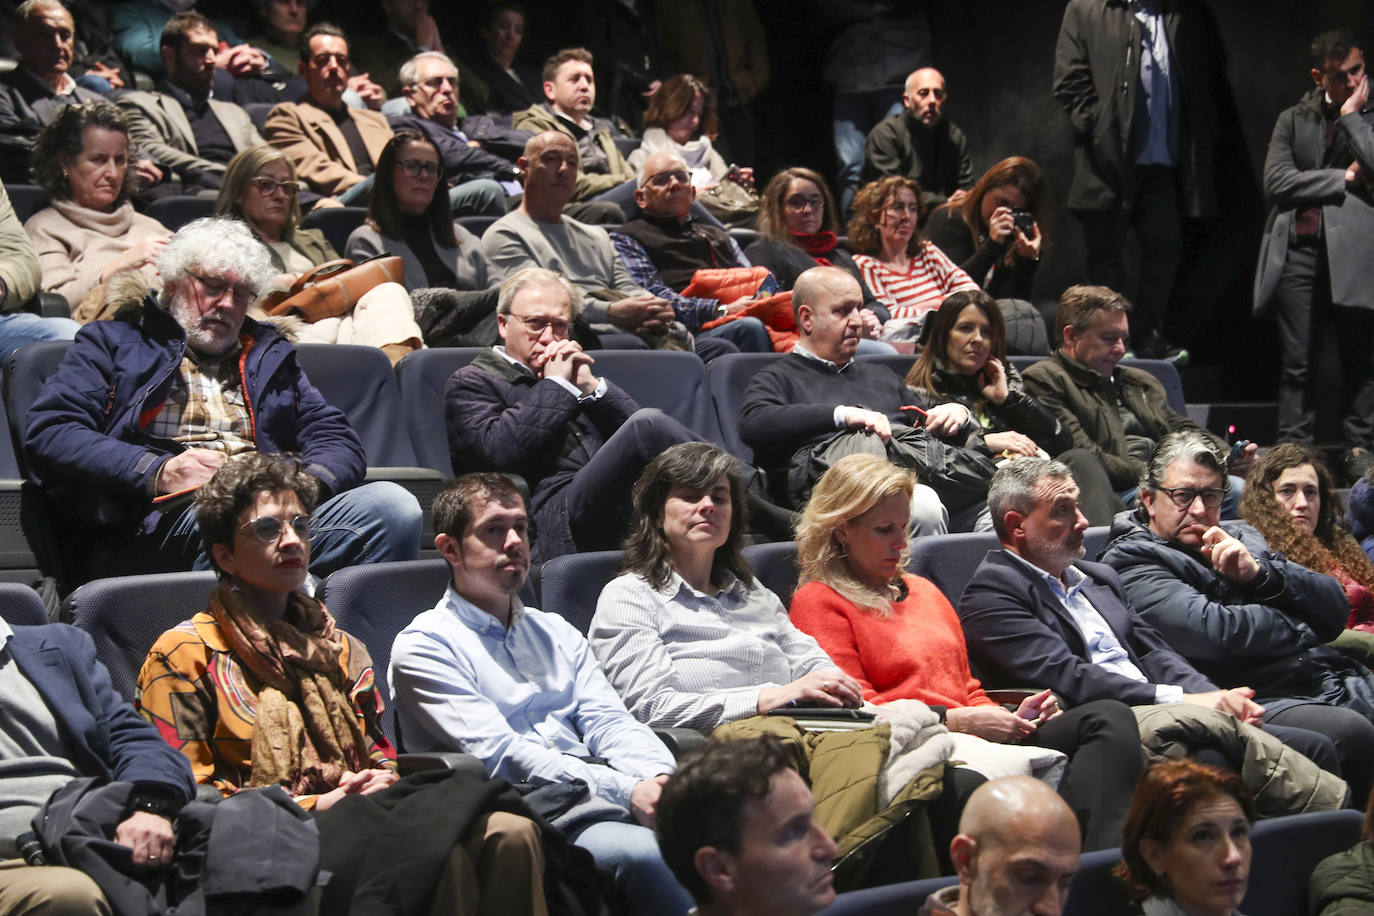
<point x="898" y="636"/>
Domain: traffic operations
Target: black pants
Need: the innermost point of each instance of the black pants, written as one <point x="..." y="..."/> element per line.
<point x="1105" y="763"/>
<point x="1154" y="215"/>
<point x="1305" y="315"/>
<point x="1350" y="732"/>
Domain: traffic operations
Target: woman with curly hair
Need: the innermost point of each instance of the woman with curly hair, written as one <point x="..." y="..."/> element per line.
<point x="908" y="274"/>
<point x="1291" y="499"/>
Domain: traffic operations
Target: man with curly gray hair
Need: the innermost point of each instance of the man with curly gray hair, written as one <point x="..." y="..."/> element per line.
<point x="145" y="408"/>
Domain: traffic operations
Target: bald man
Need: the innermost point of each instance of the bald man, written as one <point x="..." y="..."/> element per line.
<point x="920" y="143"/>
<point x="804" y="412"/>
<point x="1016" y="853"/>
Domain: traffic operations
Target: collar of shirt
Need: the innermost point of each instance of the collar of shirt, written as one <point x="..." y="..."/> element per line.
<point x="68" y="85"/>
<point x="677" y="585"/>
<point x="801" y="350"/>
<point x="478" y="620"/>
<point x="512" y="360"/>
<point x="6" y="631"/>
<point x="1072" y="575"/>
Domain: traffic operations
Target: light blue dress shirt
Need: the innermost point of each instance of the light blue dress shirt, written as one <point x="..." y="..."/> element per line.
<point x="1159" y="146"/>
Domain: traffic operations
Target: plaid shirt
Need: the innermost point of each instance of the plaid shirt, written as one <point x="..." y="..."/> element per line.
<point x="691" y="310"/>
<point x="206" y="407"/>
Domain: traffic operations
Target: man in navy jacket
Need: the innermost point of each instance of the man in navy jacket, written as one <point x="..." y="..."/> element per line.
<point x="144" y="408"/>
<point x="62" y="720"/>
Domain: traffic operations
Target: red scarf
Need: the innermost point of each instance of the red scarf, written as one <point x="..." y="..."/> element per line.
<point x="818" y="245"/>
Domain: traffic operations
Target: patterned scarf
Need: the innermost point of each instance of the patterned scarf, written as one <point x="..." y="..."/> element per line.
<point x="307" y="733"/>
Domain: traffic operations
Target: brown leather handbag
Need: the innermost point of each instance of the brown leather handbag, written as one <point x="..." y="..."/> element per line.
<point x="333" y="288"/>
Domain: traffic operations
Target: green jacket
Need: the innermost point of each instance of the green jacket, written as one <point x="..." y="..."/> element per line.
<point x="842" y="770"/>
<point x="309" y="242"/>
<point x="1086" y="405"/>
<point x="539" y="118"/>
<point x="1343" y="884"/>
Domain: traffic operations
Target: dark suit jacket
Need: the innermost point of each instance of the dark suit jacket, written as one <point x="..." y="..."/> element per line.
<point x="106" y="736"/>
<point x="462" y="162"/>
<point x="1017" y="633"/>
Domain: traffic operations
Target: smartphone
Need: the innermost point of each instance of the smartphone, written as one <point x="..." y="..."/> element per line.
<point x="1237" y="450"/>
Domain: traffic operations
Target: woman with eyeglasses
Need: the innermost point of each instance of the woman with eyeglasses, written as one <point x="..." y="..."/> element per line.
<point x="90" y="231"/>
<point x="907" y="273"/>
<point x="262" y="689"/>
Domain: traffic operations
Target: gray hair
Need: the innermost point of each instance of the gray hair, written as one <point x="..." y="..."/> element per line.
<point x="218" y="245"/>
<point x="644" y="166"/>
<point x="1189" y="445"/>
<point x="1013" y="487"/>
<point x="536" y="276"/>
<point x="410" y="69"/>
<point x="29" y="8"/>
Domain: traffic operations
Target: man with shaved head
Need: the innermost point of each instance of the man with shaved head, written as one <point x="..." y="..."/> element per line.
<point x="1016" y="853"/>
<point x="920" y="143"/>
<point x="805" y="412"/>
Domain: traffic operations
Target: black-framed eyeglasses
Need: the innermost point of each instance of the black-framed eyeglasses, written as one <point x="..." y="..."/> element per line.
<point x="215" y="287"/>
<point x="417" y="167"/>
<point x="536" y="325"/>
<point x="801" y="202"/>
<point x="1183" y="496"/>
<point x="268" y="528"/>
<point x="269" y="186"/>
<point x="661" y="179"/>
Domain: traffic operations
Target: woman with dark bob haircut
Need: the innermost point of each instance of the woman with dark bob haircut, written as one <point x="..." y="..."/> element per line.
<point x="965" y="360"/>
<point x="1185" y="850"/>
<point x="908" y="274"/>
<point x="90" y="231"/>
<point x="981" y="234"/>
<point x="262" y="688"/>
<point x="681" y="119"/>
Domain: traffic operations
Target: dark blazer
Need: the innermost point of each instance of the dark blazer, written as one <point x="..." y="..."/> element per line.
<point x="106" y="736"/>
<point x="1018" y="633"/>
<point x="461" y="162"/>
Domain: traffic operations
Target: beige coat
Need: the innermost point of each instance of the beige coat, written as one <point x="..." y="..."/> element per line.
<point x="314" y="142"/>
<point x="159" y="128"/>
<point x="74" y="244"/>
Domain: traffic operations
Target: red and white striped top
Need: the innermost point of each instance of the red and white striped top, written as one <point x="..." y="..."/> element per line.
<point x="930" y="276"/>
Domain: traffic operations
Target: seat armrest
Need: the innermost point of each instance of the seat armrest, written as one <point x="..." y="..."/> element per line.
<point x="680" y="740"/>
<point x="439" y="760"/>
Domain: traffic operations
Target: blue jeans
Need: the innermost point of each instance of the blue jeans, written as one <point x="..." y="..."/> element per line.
<point x="19" y="328"/>
<point x="856" y="113"/>
<point x="373" y="523"/>
<point x="748" y="334"/>
<point x="642" y="877"/>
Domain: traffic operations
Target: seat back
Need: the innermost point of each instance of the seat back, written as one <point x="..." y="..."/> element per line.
<point x="27" y="199"/>
<point x="570" y="585"/>
<point x="1094" y="891"/>
<point x="175" y="212"/>
<point x="674" y="382"/>
<point x="373" y="602"/>
<point x="126" y="615"/>
<point x="360" y="382"/>
<point x="1095" y="541"/>
<point x="1285" y="850"/>
<point x="776" y="567"/>
<point x="422" y="376"/>
<point x="26" y="372"/>
<point x="900" y="363"/>
<point x="20" y="605"/>
<point x="728" y="377"/>
<point x="1167" y="374"/>
<point x="949" y="560"/>
<point x="477" y="225"/>
<point x="337" y="223"/>
<point x="901" y="899"/>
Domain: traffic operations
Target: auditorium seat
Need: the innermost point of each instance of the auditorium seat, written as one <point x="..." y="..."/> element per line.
<point x="1095" y="541"/>
<point x="899" y="363"/>
<point x="949" y="560"/>
<point x="337" y="223"/>
<point x="422" y="376"/>
<point x="27" y="199"/>
<point x="902" y="899"/>
<point x="728" y="377"/>
<point x="477" y="225"/>
<point x="672" y="381"/>
<point x="175" y="212"/>
<point x="570" y="585"/>
<point x="1286" y="850"/>
<point x="20" y="605"/>
<point x="776" y="567"/>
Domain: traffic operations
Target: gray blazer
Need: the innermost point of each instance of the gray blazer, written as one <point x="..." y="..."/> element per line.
<point x="1296" y="176"/>
<point x="472" y="268"/>
<point x="158" y="127"/>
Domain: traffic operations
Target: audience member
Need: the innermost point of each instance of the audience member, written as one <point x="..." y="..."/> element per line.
<point x="1016" y="852"/>
<point x="964" y="360"/>
<point x="520" y="690"/>
<point x="737" y="825"/>
<point x="36" y="91"/>
<point x="180" y="127"/>
<point x="1315" y="250"/>
<point x="1291" y="501"/>
<point x="921" y="144"/>
<point x="1344" y="883"/>
<point x="1144" y="136"/>
<point x="408" y="30"/>
<point x="89" y="231"/>
<point x="899" y="638"/>
<point x="537" y="234"/>
<point x="335" y="146"/>
<point x="262" y="689"/>
<point x="798" y="230"/>
<point x="19" y="281"/>
<point x="478" y="181"/>
<point x="138" y="26"/>
<point x="994" y="233"/>
<point x="681" y="120"/>
<point x="570" y="90"/>
<point x="145" y="408"/>
<point x="1235" y="608"/>
<point x="1361" y="512"/>
<point x="909" y="275"/>
<point x="280" y="25"/>
<point x="64" y="723"/>
<point x="1186" y="847"/>
<point x="512" y="85"/>
<point x="1035" y="612"/>
<point x="664" y="247"/>
<point x="1117" y="413"/>
<point x="818" y="404"/>
<point x="533" y="407"/>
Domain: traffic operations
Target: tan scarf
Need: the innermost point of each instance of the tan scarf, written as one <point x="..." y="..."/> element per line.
<point x="307" y="733"/>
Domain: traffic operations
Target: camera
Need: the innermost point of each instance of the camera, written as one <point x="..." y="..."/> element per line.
<point x="1024" y="220"/>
